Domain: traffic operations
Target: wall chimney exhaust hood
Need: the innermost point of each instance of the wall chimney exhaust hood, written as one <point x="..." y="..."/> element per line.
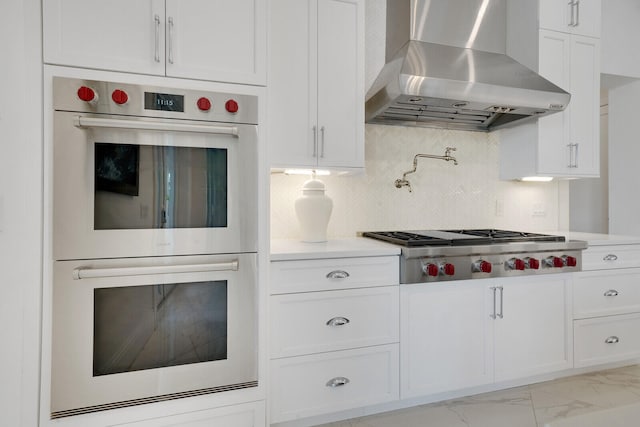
<point x="446" y="67"/>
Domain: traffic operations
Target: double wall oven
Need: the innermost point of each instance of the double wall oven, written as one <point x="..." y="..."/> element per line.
<point x="154" y="244"/>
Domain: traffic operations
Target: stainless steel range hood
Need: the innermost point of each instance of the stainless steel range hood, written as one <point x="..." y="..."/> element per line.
<point x="446" y="67"/>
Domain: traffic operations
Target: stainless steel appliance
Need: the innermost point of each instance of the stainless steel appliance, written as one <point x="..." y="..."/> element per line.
<point x="446" y="67"/>
<point x="151" y="171"/>
<point x="441" y="255"/>
<point x="154" y="244"/>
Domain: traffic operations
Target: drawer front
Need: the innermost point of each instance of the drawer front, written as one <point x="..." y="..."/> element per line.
<point x="306" y="386"/>
<point x="313" y="322"/>
<point x="332" y="274"/>
<point x="606" y="339"/>
<point x="609" y="257"/>
<point x="606" y="293"/>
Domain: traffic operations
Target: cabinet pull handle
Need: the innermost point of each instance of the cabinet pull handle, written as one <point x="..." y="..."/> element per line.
<point x="611" y="293"/>
<point x="338" y="321"/>
<point x="575" y="155"/>
<point x="156" y="56"/>
<point x="315" y="141"/>
<point x="337" y="382"/>
<point x="570" y="147"/>
<point x="493" y="313"/>
<point x="610" y="257"/>
<point x="501" y="314"/>
<point x="571" y="4"/>
<point x="612" y="340"/>
<point x="337" y="274"/>
<point x="322" y="142"/>
<point x="170" y="40"/>
<point x="577" y="13"/>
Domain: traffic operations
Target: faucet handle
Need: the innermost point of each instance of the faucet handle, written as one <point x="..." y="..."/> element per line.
<point x="403" y="183"/>
<point x="449" y="150"/>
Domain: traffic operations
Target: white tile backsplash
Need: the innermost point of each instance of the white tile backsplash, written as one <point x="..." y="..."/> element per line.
<point x="468" y="195"/>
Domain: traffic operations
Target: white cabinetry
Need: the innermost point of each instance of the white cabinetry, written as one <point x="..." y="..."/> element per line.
<point x="563" y="144"/>
<point x="334" y="341"/>
<point x="316" y="83"/>
<point x="571" y="16"/>
<point x="217" y="40"/>
<point x="607" y="305"/>
<point x="462" y="334"/>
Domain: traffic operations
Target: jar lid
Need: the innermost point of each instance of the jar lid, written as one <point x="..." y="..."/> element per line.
<point x="313" y="185"/>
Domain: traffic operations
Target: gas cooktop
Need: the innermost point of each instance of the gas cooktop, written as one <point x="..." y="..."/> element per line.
<point x="440" y="255"/>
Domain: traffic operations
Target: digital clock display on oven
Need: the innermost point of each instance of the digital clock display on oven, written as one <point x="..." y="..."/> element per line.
<point x="163" y="102"/>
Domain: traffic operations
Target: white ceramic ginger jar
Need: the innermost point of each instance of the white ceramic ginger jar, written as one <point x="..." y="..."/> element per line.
<point x="313" y="210"/>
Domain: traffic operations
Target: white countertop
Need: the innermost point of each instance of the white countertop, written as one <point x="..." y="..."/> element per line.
<point x="289" y="249"/>
<point x="595" y="239"/>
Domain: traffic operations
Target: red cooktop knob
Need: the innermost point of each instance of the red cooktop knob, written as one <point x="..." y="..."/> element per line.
<point x="531" y="263"/>
<point x="481" y="266"/>
<point x="231" y="106"/>
<point x="570" y="261"/>
<point x="448" y="269"/>
<point x="119" y="97"/>
<point x="558" y="262"/>
<point x="204" y="104"/>
<point x="515" y="264"/>
<point x="87" y="94"/>
<point x="430" y="269"/>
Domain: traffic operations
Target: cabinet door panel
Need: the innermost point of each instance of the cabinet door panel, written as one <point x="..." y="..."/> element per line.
<point x="98" y="34"/>
<point x="445" y="338"/>
<point x="534" y="333"/>
<point x="340" y="83"/>
<point x="583" y="18"/>
<point x="222" y="40"/>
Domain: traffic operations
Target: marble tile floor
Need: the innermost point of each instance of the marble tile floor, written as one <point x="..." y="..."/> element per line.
<point x="612" y="397"/>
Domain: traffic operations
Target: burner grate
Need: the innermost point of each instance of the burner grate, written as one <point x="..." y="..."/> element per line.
<point x="406" y="238"/>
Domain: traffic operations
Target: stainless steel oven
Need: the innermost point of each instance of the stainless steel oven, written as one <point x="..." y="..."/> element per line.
<point x="151" y="171"/>
<point x="154" y="244"/>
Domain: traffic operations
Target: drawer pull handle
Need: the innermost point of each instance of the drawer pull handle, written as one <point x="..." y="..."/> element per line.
<point x="337" y="321"/>
<point x="611" y="293"/>
<point x="337" y="274"/>
<point x="337" y="382"/>
<point x="610" y="257"/>
<point x="612" y="340"/>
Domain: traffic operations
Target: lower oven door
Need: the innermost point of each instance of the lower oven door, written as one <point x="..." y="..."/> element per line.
<point x="131" y="331"/>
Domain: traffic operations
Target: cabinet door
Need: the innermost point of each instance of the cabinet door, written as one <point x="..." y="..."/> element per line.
<point x="554" y="149"/>
<point x="292" y="129"/>
<point x="221" y="40"/>
<point x="341" y="83"/>
<point x="445" y="337"/>
<point x="580" y="17"/>
<point x="119" y="35"/>
<point x="533" y="333"/>
<point x="585" y="105"/>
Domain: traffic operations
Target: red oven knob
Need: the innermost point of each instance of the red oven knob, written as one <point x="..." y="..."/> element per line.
<point x="87" y="94"/>
<point x="481" y="266"/>
<point x="204" y="104"/>
<point x="515" y="264"/>
<point x="448" y="269"/>
<point x="119" y="97"/>
<point x="430" y="269"/>
<point x="554" y="261"/>
<point x="231" y="106"/>
<point x="569" y="261"/>
<point x="531" y="263"/>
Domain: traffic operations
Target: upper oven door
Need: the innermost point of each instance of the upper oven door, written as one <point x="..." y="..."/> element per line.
<point x="151" y="187"/>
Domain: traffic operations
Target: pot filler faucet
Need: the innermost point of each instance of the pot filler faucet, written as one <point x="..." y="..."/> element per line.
<point x="404" y="182"/>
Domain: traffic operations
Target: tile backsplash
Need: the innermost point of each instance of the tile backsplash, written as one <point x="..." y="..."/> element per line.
<point x="469" y="195"/>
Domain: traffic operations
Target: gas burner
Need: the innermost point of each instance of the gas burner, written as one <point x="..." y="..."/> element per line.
<point x="447" y="255"/>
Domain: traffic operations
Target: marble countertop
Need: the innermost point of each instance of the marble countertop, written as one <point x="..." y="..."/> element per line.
<point x="596" y="239"/>
<point x="289" y="249"/>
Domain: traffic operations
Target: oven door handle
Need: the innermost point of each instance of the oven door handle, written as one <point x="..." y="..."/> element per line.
<point x="92" y="273"/>
<point x="87" y="122"/>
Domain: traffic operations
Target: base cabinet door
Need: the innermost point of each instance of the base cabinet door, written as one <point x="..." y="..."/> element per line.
<point x="533" y="327"/>
<point x="446" y="338"/>
<point x="329" y="382"/>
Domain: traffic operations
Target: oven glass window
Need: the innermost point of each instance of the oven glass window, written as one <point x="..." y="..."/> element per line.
<point x="145" y="187"/>
<point x="154" y="326"/>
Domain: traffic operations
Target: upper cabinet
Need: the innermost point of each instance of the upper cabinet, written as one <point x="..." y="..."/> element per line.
<point x="316" y="84"/>
<point x="565" y="144"/>
<point x="580" y="17"/>
<point x="217" y="40"/>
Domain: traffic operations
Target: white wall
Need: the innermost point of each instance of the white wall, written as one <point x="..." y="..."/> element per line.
<point x="620" y="35"/>
<point x="624" y="160"/>
<point x="20" y="211"/>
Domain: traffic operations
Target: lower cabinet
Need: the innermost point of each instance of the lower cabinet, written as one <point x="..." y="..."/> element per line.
<point x="244" y="415"/>
<point x="456" y="335"/>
